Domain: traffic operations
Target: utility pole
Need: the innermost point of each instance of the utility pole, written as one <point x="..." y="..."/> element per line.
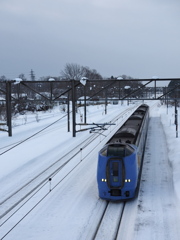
<point x="8" y="107"/>
<point x="85" y="104"/>
<point x="73" y="108"/>
<point x="32" y="75"/>
<point x="176" y="118"/>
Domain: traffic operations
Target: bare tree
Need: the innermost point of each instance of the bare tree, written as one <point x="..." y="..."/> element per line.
<point x="3" y="78"/>
<point x="22" y="76"/>
<point x="73" y="71"/>
<point x="92" y="74"/>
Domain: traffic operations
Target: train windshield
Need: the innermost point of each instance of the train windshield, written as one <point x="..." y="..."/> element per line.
<point x="116" y="150"/>
<point x="119" y="150"/>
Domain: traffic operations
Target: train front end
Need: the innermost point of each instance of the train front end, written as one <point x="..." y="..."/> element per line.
<point x="117" y="172"/>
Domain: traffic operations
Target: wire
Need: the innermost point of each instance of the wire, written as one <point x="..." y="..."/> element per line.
<point x="32" y="136"/>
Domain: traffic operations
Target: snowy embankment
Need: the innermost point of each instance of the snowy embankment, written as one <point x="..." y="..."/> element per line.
<point x="173" y="143"/>
<point x="155" y="212"/>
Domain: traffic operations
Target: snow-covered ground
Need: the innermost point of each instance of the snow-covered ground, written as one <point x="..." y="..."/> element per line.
<point x="72" y="209"/>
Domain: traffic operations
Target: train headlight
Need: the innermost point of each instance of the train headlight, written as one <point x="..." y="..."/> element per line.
<point x="104" y="180"/>
<point x="127" y="180"/>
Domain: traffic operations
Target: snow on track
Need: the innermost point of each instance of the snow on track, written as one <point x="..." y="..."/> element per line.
<point x="73" y="205"/>
<point x="74" y="209"/>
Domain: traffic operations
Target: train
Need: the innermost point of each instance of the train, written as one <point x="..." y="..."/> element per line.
<point x="120" y="160"/>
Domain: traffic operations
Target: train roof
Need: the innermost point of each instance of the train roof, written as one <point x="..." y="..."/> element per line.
<point x="131" y="131"/>
<point x="135" y="116"/>
<point x="143" y="107"/>
<point x="128" y="132"/>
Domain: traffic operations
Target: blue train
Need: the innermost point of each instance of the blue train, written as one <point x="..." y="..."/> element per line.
<point x="120" y="160"/>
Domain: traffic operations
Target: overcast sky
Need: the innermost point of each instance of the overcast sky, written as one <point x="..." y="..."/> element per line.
<point x="138" y="38"/>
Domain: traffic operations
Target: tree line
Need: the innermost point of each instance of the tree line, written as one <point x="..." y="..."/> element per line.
<point x="70" y="71"/>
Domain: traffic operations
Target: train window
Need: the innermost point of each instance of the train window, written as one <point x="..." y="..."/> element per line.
<point x="104" y="151"/>
<point x="116" y="150"/>
<point x="129" y="150"/>
<point x="115" y="168"/>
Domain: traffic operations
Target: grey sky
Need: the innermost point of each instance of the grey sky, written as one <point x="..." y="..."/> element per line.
<point x="137" y="38"/>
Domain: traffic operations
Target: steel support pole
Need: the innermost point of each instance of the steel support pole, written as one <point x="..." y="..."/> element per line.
<point x="85" y="104"/>
<point x="68" y="116"/>
<point x="8" y="107"/>
<point x="106" y="101"/>
<point x="166" y="99"/>
<point x="177" y="126"/>
<point x="119" y="90"/>
<point x="176" y="118"/>
<point x="51" y="92"/>
<point x="73" y="108"/>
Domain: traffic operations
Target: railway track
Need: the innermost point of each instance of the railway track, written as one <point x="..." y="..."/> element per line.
<point x="48" y="179"/>
<point x="113" y="212"/>
<point x="13" y="145"/>
<point x="11" y="201"/>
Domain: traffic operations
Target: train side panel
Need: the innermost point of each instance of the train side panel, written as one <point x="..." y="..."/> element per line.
<point x="141" y="139"/>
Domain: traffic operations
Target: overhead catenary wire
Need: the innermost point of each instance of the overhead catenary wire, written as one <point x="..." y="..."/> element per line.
<point x="115" y="119"/>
